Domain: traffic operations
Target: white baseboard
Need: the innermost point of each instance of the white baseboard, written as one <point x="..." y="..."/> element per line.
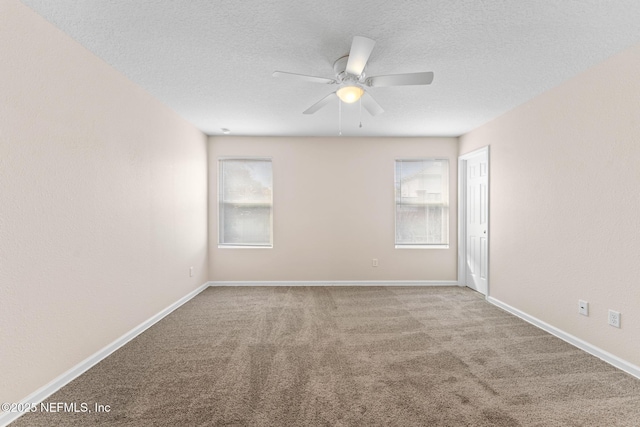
<point x="47" y="390"/>
<point x="575" y="341"/>
<point x="339" y="283"/>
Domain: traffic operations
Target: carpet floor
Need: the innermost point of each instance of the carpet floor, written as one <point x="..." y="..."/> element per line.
<point x="346" y="356"/>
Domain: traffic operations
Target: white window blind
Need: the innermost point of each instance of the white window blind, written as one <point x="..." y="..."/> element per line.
<point x="422" y="203"/>
<point x="245" y="203"/>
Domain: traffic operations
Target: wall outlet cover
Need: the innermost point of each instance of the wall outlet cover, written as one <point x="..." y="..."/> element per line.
<point x="614" y="318"/>
<point x="583" y="307"/>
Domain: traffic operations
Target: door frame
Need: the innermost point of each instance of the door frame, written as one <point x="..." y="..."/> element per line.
<point x="462" y="215"/>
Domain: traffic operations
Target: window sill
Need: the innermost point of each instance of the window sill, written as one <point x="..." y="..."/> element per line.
<point x="422" y="246"/>
<point x="243" y="247"/>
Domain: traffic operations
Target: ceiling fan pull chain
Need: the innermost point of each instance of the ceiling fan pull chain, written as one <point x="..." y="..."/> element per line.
<point x="360" y="112"/>
<point x="339" y="118"/>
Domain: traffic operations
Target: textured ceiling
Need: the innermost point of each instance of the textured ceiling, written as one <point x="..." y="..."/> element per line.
<point x="211" y="61"/>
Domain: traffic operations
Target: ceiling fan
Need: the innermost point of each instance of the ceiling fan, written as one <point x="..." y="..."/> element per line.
<point x="352" y="81"/>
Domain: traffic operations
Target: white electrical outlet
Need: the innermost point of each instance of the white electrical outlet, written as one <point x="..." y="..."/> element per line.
<point x="614" y="318"/>
<point x="374" y="262"/>
<point x="583" y="307"/>
<point x="190" y="271"/>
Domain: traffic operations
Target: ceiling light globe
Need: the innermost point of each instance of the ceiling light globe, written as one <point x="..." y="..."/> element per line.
<point x="350" y="94"/>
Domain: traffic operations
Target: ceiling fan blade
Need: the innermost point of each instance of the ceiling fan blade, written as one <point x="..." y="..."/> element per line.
<point x="371" y="105"/>
<point x="303" y="77"/>
<point x="318" y="105"/>
<point x="423" y="78"/>
<point x="361" y="48"/>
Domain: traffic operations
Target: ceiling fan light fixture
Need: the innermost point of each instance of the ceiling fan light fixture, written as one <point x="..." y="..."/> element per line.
<point x="350" y="94"/>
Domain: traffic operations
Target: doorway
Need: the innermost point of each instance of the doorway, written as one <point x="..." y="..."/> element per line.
<point x="473" y="220"/>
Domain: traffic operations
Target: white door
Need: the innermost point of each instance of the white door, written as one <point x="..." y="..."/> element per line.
<point x="476" y="219"/>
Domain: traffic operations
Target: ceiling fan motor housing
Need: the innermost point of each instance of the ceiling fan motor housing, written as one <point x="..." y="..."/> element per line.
<point x="340" y="66"/>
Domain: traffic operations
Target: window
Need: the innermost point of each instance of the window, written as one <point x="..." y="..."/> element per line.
<point x="245" y="197"/>
<point x="422" y="203"/>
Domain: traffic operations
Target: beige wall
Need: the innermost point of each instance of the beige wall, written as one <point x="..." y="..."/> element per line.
<point x="333" y="211"/>
<point x="565" y="204"/>
<point x="102" y="204"/>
